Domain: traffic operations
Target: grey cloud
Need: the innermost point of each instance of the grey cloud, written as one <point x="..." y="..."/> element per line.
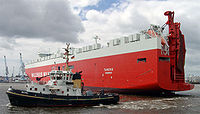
<point x="6" y="43"/>
<point x="190" y="29"/>
<point x="50" y="20"/>
<point x="192" y="58"/>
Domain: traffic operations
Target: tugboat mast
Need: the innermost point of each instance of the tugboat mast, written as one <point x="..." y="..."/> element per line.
<point x="67" y="56"/>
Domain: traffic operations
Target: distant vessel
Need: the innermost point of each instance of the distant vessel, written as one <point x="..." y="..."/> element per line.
<point x="63" y="89"/>
<point x="142" y="62"/>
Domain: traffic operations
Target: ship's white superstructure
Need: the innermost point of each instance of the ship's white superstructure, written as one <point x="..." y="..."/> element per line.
<point x="132" y="43"/>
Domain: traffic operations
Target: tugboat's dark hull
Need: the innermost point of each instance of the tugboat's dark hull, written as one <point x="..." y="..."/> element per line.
<point x="24" y="98"/>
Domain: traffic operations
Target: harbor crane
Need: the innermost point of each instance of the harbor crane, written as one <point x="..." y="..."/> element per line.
<point x="6" y="69"/>
<point x="13" y="72"/>
<point x="21" y="69"/>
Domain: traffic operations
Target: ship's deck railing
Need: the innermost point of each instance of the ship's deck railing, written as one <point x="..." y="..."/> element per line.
<point x="115" y="42"/>
<point x="53" y="56"/>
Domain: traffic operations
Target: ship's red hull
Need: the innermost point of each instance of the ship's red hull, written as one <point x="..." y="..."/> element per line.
<point x="136" y="71"/>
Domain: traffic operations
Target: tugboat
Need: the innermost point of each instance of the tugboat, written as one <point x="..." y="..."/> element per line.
<point x="64" y="88"/>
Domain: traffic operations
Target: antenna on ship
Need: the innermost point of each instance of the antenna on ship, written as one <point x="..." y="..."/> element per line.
<point x="96" y="38"/>
<point x="67" y="56"/>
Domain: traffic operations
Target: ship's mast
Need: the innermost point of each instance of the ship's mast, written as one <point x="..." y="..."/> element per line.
<point x="96" y="38"/>
<point x="6" y="68"/>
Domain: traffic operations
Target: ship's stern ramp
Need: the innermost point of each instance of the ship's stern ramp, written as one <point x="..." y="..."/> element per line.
<point x="171" y="75"/>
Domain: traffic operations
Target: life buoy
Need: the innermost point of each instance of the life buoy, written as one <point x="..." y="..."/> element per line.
<point x="52" y="91"/>
<point x="165" y="50"/>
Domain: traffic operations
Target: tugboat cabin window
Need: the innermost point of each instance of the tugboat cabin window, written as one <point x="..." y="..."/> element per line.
<point x="35" y="89"/>
<point x="30" y="88"/>
<point x="141" y="60"/>
<point x="43" y="89"/>
<point x="59" y="78"/>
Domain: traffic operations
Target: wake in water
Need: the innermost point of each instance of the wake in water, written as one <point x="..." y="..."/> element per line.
<point x="155" y="104"/>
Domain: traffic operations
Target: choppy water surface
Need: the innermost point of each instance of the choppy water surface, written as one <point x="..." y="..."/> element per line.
<point x="183" y="102"/>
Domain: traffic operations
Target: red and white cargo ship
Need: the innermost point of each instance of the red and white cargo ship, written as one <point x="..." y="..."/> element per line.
<point x="142" y="62"/>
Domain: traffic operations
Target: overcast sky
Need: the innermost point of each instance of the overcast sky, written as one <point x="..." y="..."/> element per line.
<point x="32" y="26"/>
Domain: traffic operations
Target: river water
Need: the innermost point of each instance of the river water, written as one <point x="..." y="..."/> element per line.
<point x="186" y="102"/>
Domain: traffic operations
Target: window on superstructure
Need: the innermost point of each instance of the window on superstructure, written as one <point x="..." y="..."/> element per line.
<point x="30" y="88"/>
<point x="126" y="40"/>
<point x="141" y="60"/>
<point x="164" y="59"/>
<point x="35" y="89"/>
<point x="63" y="67"/>
<point x="59" y="68"/>
<point x="43" y="89"/>
<point x="71" y="66"/>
